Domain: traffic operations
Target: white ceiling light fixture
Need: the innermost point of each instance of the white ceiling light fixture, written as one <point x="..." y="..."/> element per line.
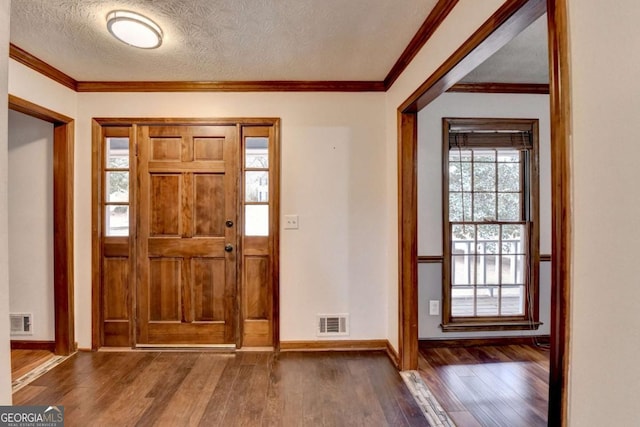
<point x="134" y="29"/>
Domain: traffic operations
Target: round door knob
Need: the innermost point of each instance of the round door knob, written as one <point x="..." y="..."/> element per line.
<point x="229" y="223"/>
<point x="228" y="247"/>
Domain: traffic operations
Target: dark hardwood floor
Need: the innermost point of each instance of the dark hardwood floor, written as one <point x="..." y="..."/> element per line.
<point x="489" y="386"/>
<point x="213" y="389"/>
<point x="24" y="361"/>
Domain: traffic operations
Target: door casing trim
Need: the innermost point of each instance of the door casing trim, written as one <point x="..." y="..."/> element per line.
<point x="507" y="22"/>
<point x="63" y="189"/>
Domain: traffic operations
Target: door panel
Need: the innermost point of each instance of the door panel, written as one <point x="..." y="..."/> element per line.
<point x="164" y="205"/>
<point x="209" y="201"/>
<point x="208" y="281"/>
<point x="186" y="278"/>
<point x="256" y="281"/>
<point x="164" y="289"/>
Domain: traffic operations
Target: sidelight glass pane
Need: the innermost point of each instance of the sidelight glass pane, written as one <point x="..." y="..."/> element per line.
<point x="118" y="153"/>
<point x="256" y="187"/>
<point x="256" y="152"/>
<point x="117" y="186"/>
<point x="116" y="220"/>
<point x="256" y="220"/>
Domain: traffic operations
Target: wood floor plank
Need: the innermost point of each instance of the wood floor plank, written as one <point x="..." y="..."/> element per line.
<point x="438" y="387"/>
<point x="212" y="389"/>
<point x="162" y="391"/>
<point x="393" y="397"/>
<point x="464" y="419"/>
<point x="188" y="404"/>
<point x="24" y="361"/>
<point x="489" y="385"/>
<point x="216" y="408"/>
<point x="102" y="386"/>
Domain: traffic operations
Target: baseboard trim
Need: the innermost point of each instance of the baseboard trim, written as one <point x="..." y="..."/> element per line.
<point x="476" y="342"/>
<point x="33" y="345"/>
<point x="393" y="355"/>
<point x="333" y="345"/>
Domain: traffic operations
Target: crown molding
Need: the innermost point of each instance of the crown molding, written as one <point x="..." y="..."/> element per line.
<point x="426" y="30"/>
<point x="36" y="64"/>
<point x="233" y="86"/>
<point x="528" y="88"/>
<point x="438" y="14"/>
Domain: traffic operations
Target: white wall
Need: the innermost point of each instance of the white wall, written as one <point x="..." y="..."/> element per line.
<point x="333" y="155"/>
<point x="332" y="158"/>
<point x="322" y="269"/>
<point x="5" y="353"/>
<point x="430" y="195"/>
<point x="464" y="19"/>
<point x="605" y="318"/>
<point x="31" y="223"/>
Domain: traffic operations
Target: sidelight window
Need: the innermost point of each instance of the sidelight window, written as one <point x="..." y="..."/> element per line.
<point x="116" y="186"/>
<point x="256" y="186"/>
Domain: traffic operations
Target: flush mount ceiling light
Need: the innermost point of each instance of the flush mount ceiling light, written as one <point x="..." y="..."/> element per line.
<point x="134" y="29"/>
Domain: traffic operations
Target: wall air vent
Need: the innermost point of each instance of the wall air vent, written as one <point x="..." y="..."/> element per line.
<point x="21" y="324"/>
<point x="333" y="324"/>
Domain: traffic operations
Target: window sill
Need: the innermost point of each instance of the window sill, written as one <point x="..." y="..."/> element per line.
<point x="490" y="326"/>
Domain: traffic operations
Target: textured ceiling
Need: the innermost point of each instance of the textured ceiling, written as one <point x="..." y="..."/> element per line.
<point x="523" y="60"/>
<point x="223" y="40"/>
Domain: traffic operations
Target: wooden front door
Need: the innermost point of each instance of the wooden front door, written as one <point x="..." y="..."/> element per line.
<point x="187" y="235"/>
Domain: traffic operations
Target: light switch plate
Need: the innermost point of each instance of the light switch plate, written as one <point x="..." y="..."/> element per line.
<point x="291" y="222"/>
<point x="434" y="307"/>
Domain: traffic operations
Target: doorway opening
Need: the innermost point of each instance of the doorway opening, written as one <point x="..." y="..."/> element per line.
<point x="51" y="306"/>
<point x="505" y="24"/>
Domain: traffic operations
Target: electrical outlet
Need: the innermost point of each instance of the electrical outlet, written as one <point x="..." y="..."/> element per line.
<point x="291" y="222"/>
<point x="434" y="307"/>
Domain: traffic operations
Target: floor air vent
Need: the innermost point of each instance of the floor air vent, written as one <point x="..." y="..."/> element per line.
<point x="21" y="324"/>
<point x="333" y="324"/>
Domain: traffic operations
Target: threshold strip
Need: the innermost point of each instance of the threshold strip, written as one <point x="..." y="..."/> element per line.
<point x="431" y="409"/>
<point x="37" y="372"/>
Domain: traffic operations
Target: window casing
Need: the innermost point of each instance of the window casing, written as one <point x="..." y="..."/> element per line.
<point x="490" y="233"/>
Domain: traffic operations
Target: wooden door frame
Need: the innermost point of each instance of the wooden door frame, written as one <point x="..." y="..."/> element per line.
<point x="63" y="268"/>
<point x="509" y="20"/>
<point x="96" y="223"/>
